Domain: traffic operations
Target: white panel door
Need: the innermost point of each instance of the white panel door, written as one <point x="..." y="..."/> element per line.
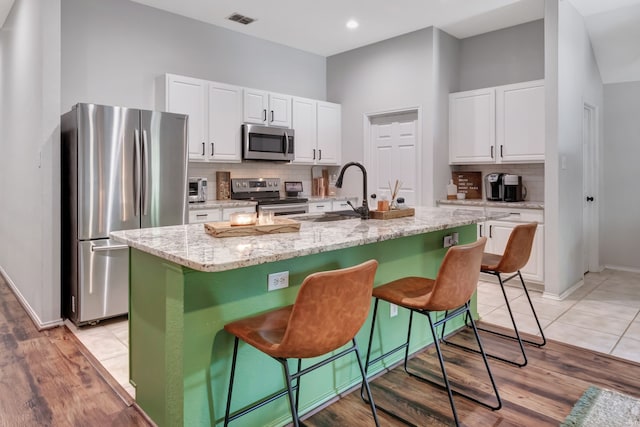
<point x="186" y="95"/>
<point x="225" y="119"/>
<point x="520" y="129"/>
<point x="393" y="155"/>
<point x="472" y="126"/>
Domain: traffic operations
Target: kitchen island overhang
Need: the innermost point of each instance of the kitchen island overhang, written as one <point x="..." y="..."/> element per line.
<point x="185" y="285"/>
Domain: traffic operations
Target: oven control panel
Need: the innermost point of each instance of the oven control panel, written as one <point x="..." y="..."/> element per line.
<point x="254" y="185"/>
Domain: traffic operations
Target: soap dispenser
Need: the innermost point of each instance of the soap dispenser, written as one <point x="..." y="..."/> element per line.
<point x="452" y="190"/>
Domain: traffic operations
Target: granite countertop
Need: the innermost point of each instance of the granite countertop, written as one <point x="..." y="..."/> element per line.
<point x="190" y="246"/>
<point x="490" y="204"/>
<point x="212" y="204"/>
<point x="336" y="198"/>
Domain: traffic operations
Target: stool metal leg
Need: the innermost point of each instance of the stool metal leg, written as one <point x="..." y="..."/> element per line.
<point x="292" y="403"/>
<point x="365" y="384"/>
<point x="233" y="372"/>
<point x="448" y="316"/>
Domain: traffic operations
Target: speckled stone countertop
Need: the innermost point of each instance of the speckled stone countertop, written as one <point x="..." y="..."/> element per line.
<point x="212" y="204"/>
<point x="336" y="198"/>
<point x="489" y="204"/>
<point x="190" y="246"/>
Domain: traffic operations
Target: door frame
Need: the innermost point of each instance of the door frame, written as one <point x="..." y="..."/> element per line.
<point x="367" y="119"/>
<point x="591" y="181"/>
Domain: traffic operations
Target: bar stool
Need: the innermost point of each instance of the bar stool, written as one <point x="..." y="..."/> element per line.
<point x="329" y="310"/>
<point x="450" y="292"/>
<point x="516" y="255"/>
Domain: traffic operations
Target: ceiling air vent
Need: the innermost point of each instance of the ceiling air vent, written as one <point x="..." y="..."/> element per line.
<point x="236" y="17"/>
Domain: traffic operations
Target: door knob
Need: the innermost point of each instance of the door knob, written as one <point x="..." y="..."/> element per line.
<point x="589" y="199"/>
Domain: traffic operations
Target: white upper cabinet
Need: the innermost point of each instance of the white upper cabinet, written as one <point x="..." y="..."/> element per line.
<point x="225" y="116"/>
<point x="317" y="124"/>
<point x="304" y="123"/>
<point x="215" y="115"/>
<point x="187" y="95"/>
<point x="329" y="133"/>
<point x="503" y="124"/>
<point x="472" y="129"/>
<point x="520" y="130"/>
<point x="265" y="108"/>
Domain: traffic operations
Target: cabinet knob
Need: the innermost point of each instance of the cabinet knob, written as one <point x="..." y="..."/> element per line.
<point x="590" y="198"/>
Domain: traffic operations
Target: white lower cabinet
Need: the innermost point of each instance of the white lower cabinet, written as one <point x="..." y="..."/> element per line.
<point x="498" y="232"/>
<point x="332" y="205"/>
<point x="226" y="212"/>
<point x="204" y="215"/>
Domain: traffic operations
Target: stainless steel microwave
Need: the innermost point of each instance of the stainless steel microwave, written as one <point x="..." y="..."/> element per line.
<point x="267" y="143"/>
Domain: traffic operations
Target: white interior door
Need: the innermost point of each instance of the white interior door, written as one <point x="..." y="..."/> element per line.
<point x="590" y="187"/>
<point x="394" y="155"/>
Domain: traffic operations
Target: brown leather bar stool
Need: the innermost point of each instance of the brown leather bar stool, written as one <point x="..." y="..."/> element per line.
<point x="450" y="292"/>
<point x="329" y="310"/>
<point x="516" y="255"/>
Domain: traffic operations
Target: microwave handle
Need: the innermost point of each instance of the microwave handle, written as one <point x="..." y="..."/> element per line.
<point x="286" y="143"/>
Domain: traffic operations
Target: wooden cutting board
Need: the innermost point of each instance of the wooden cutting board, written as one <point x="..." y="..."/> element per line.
<point x="395" y="213"/>
<point x="225" y="229"/>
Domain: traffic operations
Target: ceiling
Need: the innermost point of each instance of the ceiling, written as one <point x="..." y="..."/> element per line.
<point x="319" y="26"/>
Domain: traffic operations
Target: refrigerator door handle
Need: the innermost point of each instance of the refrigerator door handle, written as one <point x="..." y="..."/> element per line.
<point x="137" y="175"/>
<point x="145" y="185"/>
<point x="96" y="248"/>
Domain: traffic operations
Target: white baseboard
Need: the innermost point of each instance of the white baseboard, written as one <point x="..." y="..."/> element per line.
<point x="622" y="268"/>
<point x="566" y="293"/>
<point x="25" y="304"/>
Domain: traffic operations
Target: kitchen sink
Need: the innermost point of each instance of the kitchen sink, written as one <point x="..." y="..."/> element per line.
<point x="329" y="216"/>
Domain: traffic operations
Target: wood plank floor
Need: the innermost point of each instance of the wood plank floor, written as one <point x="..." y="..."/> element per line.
<point x="46" y="379"/>
<point x="539" y="394"/>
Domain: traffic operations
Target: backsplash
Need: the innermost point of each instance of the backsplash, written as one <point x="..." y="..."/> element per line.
<point x="532" y="177"/>
<point x="284" y="171"/>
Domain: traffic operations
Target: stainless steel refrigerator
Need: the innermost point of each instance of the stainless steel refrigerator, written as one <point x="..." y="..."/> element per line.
<point x="121" y="169"/>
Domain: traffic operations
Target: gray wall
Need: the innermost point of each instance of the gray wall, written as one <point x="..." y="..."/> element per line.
<point x="572" y="78"/>
<point x="389" y="75"/>
<point x="620" y="207"/>
<point x="510" y="55"/>
<point x="113" y="50"/>
<point x="29" y="141"/>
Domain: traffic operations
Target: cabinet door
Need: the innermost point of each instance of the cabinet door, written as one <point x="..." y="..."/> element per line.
<point x="520" y="132"/>
<point x="255" y="106"/>
<point x="225" y="120"/>
<point x="329" y="133"/>
<point x="186" y="95"/>
<point x="279" y="110"/>
<point x="304" y="123"/>
<point x="197" y="216"/>
<point x="472" y="126"/>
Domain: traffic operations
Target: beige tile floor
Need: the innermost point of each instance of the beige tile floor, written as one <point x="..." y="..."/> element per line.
<point x="603" y="315"/>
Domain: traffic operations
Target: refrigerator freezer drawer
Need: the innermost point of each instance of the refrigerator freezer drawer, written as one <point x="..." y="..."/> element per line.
<point x="103" y="289"/>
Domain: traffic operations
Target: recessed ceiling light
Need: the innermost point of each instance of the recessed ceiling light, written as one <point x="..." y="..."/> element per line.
<point x="352" y="24"/>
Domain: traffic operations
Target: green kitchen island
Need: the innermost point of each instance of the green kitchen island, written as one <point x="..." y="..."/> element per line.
<point x="185" y="285"/>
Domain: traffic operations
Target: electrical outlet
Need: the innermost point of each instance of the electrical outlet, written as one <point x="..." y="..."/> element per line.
<point x="448" y="241"/>
<point x="278" y="280"/>
<point x="393" y="310"/>
<point x="455" y="238"/>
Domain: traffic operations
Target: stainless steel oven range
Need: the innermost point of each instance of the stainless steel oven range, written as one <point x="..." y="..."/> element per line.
<point x="266" y="192"/>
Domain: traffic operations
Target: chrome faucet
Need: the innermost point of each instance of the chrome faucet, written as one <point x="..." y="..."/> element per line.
<point x="364" y="209"/>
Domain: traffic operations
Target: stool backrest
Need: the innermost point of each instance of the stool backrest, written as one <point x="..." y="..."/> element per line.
<point x="457" y="277"/>
<point x="516" y="253"/>
<point x="330" y="309"/>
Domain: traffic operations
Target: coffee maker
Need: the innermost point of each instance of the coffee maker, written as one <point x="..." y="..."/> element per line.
<point x="494" y="186"/>
<point x="513" y="188"/>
